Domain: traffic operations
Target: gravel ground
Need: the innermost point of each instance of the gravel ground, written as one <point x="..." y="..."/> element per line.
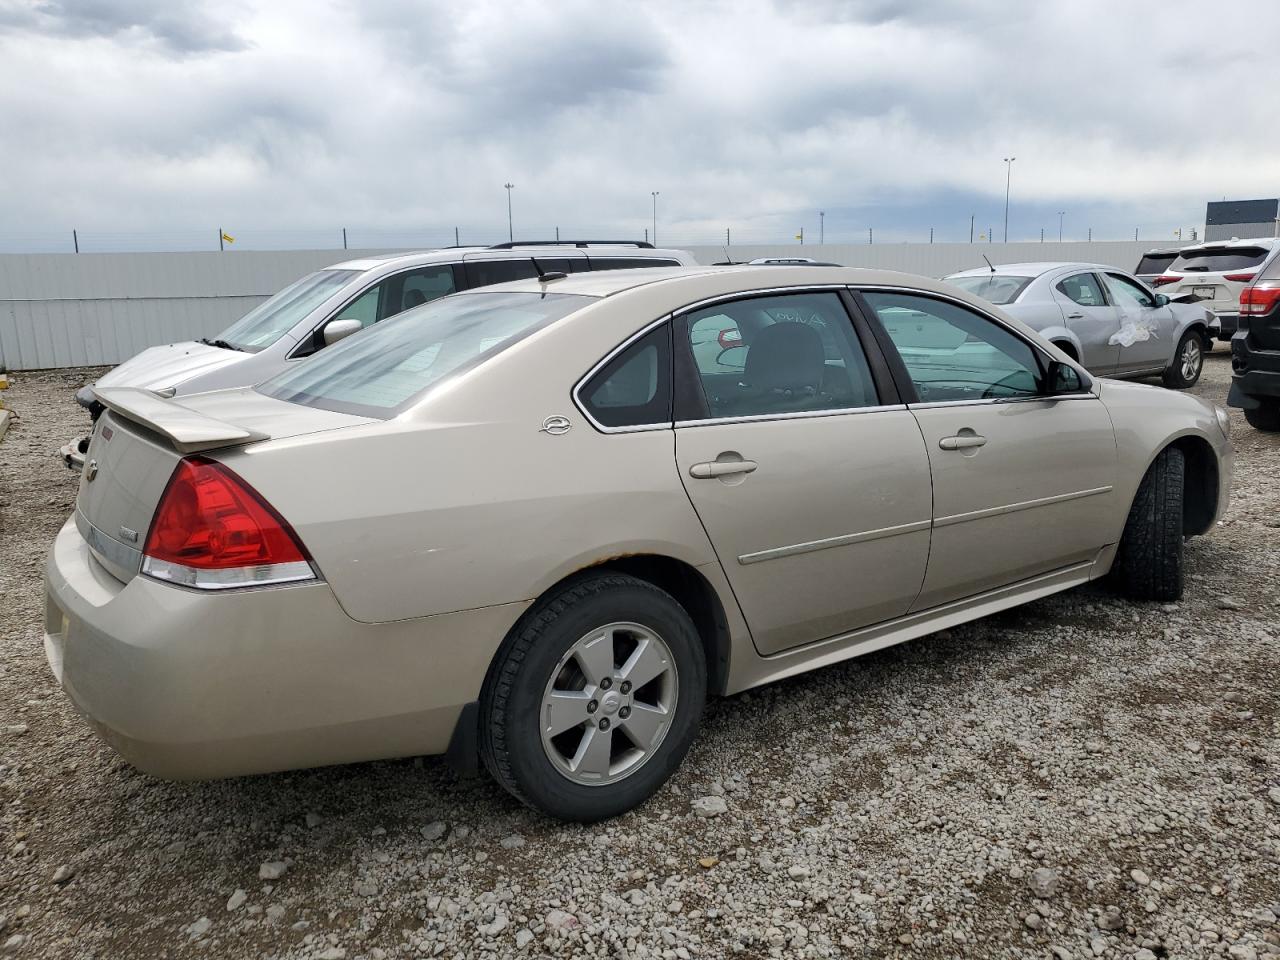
<point x="1079" y="777"/>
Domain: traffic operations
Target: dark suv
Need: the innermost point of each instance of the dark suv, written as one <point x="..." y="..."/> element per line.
<point x="1255" y="349"/>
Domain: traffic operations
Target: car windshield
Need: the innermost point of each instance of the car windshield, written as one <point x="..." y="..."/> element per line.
<point x="380" y="371"/>
<point x="994" y="288"/>
<point x="1155" y="262"/>
<point x="1217" y="261"/>
<point x="269" y="321"/>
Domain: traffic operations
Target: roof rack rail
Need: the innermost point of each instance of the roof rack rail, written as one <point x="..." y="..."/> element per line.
<point x="642" y="244"/>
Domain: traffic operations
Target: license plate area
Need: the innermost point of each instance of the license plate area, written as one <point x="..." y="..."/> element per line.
<point x="1204" y="293"/>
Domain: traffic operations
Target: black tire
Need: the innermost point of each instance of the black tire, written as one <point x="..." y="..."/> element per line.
<point x="1174" y="376"/>
<point x="511" y="703"/>
<point x="1148" y="563"/>
<point x="1265" y="416"/>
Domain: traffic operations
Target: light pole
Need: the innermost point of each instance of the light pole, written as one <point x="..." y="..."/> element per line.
<point x="655" y="217"/>
<point x="1061" y="214"/>
<point x="1008" y="178"/>
<point x="510" y="232"/>
<point x="822" y="219"/>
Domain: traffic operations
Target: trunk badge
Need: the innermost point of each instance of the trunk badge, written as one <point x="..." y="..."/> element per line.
<point x="91" y="471"/>
<point x="555" y="426"/>
<point x="130" y="535"/>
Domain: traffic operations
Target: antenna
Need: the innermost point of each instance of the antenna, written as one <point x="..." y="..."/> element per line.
<point x="984" y="257"/>
<point x="545" y="276"/>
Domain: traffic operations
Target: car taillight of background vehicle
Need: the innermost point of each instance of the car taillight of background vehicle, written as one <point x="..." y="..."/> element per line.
<point x="1161" y="281"/>
<point x="1239" y="277"/>
<point x="212" y="531"/>
<point x="1259" y="299"/>
<point x="729" y="339"/>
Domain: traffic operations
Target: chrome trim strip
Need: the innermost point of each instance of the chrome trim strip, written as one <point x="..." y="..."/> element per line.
<point x="108" y="551"/>
<point x="760" y="292"/>
<point x="1018" y="507"/>
<point x="576" y="393"/>
<point x="795" y="415"/>
<point x="937" y="404"/>
<point x="841" y="541"/>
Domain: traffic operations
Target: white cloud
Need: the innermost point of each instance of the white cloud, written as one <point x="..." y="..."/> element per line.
<point x="153" y="116"/>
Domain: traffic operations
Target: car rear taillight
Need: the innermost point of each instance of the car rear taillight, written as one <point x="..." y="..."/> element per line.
<point x="1239" y="277"/>
<point x="1161" y="281"/>
<point x="211" y="530"/>
<point x="1259" y="299"/>
<point x="728" y="339"/>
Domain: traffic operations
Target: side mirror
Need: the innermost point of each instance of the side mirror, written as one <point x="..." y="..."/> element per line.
<point x="1061" y="378"/>
<point x="1161" y="300"/>
<point x="340" y="329"/>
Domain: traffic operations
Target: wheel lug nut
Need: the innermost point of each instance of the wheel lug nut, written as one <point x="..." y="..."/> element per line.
<point x="604" y="723"/>
<point x="606" y="683"/>
<point x="624" y="713"/>
<point x="626" y="686"/>
<point x="593" y="706"/>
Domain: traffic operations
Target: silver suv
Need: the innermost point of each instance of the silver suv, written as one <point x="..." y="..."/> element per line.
<point x="330" y="304"/>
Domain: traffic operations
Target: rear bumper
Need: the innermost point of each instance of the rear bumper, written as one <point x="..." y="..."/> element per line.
<point x="188" y="686"/>
<point x="1255" y="373"/>
<point x="1228" y="323"/>
<point x="72" y="454"/>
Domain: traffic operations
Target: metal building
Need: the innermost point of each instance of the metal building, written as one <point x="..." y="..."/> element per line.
<point x="1225" y="219"/>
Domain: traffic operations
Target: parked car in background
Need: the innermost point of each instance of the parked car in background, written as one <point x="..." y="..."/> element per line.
<point x="326" y="306"/>
<point x="1213" y="274"/>
<point x="1105" y="318"/>
<point x="533" y="525"/>
<point x="1153" y="263"/>
<point x="1255" y="350"/>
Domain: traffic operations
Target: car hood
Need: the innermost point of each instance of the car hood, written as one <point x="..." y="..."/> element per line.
<point x="158" y="368"/>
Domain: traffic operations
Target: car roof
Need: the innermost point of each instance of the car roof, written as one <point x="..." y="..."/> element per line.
<point x="695" y="282"/>
<point x="517" y="252"/>
<point x="1032" y="269"/>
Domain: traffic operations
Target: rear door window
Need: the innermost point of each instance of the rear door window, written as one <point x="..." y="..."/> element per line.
<point x="1083" y="289"/>
<point x="630" y="263"/>
<point x="484" y="273"/>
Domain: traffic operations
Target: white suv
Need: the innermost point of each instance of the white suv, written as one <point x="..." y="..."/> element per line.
<point x="340" y="300"/>
<point x="1214" y="273"/>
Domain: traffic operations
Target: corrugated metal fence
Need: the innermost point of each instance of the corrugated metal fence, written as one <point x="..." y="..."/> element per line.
<point x="66" y="310"/>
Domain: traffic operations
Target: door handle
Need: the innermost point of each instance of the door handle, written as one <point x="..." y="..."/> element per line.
<point x="721" y="468"/>
<point x="1075" y="316"/>
<point x="962" y="442"/>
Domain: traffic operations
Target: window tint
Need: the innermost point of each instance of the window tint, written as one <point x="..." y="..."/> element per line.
<point x="1216" y="261"/>
<point x="782" y="354"/>
<point x="953" y="353"/>
<point x="634" y="389"/>
<point x="270" y="320"/>
<point x="380" y="371"/>
<point x="993" y="287"/>
<point x="482" y="273"/>
<point x="630" y="263"/>
<point x="363" y="308"/>
<point x="413" y="289"/>
<point x="1155" y="262"/>
<point x="1083" y="289"/>
<point x="1127" y="293"/>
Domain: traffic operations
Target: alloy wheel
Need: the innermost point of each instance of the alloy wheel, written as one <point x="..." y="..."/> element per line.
<point x="609" y="703"/>
<point x="1191" y="359"/>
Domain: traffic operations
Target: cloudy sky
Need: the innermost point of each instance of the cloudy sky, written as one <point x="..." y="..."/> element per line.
<point x="154" y="122"/>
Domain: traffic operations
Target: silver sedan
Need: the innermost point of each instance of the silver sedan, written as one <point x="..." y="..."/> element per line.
<point x="1107" y="319"/>
<point x="537" y="525"/>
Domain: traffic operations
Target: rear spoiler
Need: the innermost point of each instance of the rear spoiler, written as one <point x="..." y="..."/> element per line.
<point x="188" y="430"/>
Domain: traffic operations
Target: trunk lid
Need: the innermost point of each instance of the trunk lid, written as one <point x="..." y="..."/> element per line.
<point x="140" y="438"/>
<point x="171" y="365"/>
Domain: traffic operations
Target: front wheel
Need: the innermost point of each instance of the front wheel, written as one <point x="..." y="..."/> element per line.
<point x="594" y="699"/>
<point x="1148" y="563"/>
<point x="1265" y="416"/>
<point x="1188" y="361"/>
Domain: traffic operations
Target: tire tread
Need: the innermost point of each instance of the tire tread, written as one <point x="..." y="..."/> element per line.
<point x="1149" y="565"/>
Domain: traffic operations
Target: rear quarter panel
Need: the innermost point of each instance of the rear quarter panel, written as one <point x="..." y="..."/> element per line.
<point x="466" y="502"/>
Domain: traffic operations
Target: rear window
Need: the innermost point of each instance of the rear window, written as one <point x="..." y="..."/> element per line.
<point x="994" y="288"/>
<point x="1219" y="261"/>
<point x="1155" y="262"/>
<point x="630" y="263"/>
<point x="379" y="372"/>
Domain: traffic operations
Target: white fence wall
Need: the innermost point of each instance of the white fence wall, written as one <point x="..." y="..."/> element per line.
<point x="65" y="310"/>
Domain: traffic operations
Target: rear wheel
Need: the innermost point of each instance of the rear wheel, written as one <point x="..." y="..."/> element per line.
<point x="1265" y="416"/>
<point x="1148" y="563"/>
<point x="1188" y="361"/>
<point x="595" y="698"/>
